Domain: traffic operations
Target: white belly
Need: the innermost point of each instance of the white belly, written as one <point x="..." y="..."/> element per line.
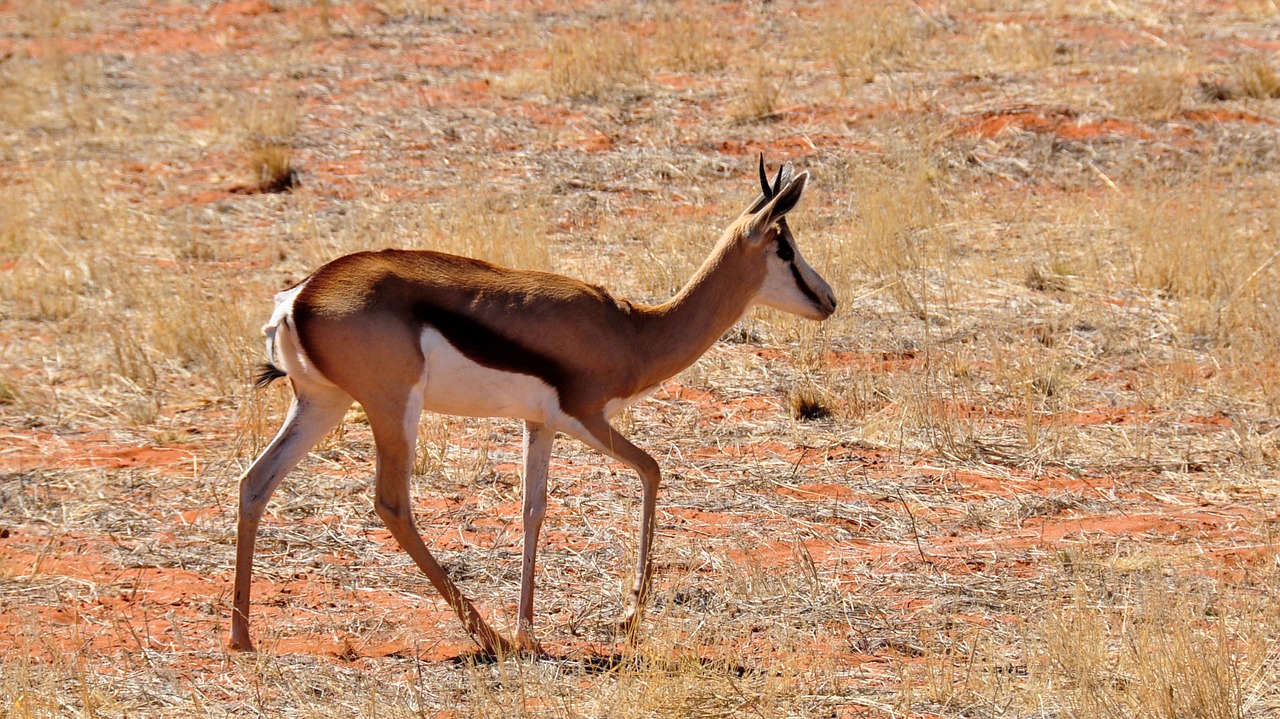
<point x="453" y="384"/>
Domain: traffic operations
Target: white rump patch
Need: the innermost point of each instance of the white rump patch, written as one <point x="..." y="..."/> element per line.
<point x="284" y="306"/>
<point x="283" y="347"/>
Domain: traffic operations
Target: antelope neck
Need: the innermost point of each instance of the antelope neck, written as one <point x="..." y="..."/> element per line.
<point x="675" y="334"/>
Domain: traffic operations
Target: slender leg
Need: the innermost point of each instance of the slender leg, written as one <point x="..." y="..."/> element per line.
<point x="311" y="416"/>
<point x="538" y="439"/>
<point x="603" y="437"/>
<point x="396" y="437"/>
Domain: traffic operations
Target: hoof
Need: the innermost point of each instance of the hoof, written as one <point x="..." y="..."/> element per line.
<point x="628" y="626"/>
<point x="496" y="647"/>
<point x="527" y="646"/>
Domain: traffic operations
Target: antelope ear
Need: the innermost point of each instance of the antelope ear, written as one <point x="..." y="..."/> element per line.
<point x="777" y="208"/>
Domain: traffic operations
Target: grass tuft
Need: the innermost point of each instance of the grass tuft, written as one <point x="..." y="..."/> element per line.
<point x="1013" y="47"/>
<point x="861" y="40"/>
<point x="8" y="392"/>
<point x="1155" y="92"/>
<point x="270" y="126"/>
<point x="688" y="42"/>
<point x="591" y="65"/>
<point x="1042" y="279"/>
<point x="808" y="405"/>
<point x="1175" y="656"/>
<point x="759" y="98"/>
<point x="1257" y="78"/>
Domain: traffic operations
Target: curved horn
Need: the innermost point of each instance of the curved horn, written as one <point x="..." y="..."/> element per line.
<point x="777" y="181"/>
<point x="764" y="180"/>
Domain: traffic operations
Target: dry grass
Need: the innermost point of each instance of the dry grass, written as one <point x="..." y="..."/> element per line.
<point x="1155" y="90"/>
<point x="270" y="124"/>
<point x="1123" y="642"/>
<point x="593" y="64"/>
<point x="1176" y="653"/>
<point x="1020" y="48"/>
<point x="1027" y="470"/>
<point x="415" y="9"/>
<point x="1257" y="78"/>
<point x="690" y="42"/>
<point x="860" y="40"/>
<point x="1204" y="252"/>
<point x="758" y="99"/>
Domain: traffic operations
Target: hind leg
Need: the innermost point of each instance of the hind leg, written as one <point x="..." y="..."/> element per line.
<point x="395" y="427"/>
<point x="315" y="411"/>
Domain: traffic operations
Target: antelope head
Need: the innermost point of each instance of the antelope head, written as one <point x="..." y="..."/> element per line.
<point x="790" y="284"/>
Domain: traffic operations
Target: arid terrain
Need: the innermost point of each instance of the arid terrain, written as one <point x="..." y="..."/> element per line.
<point x="1028" y="469"/>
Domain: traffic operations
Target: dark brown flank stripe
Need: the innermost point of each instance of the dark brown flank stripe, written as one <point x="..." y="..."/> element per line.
<point x="478" y="343"/>
<point x="489" y="348"/>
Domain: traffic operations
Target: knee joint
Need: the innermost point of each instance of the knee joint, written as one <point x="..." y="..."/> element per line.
<point x="650" y="472"/>
<point x="390" y="513"/>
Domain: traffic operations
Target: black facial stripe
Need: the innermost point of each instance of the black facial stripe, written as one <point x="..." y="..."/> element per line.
<point x="785" y="251"/>
<point x="804" y="286"/>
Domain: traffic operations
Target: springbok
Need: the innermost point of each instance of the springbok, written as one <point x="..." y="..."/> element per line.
<point x="405" y="331"/>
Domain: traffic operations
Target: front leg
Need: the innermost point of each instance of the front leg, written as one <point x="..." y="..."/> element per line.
<point x="538" y="439"/>
<point x="603" y="437"/>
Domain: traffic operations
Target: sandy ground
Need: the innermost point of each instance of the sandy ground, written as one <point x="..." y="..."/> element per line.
<point x="997" y="452"/>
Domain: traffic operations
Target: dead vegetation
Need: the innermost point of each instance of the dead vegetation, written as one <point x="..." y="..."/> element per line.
<point x="270" y="124"/>
<point x="1027" y="470"/>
